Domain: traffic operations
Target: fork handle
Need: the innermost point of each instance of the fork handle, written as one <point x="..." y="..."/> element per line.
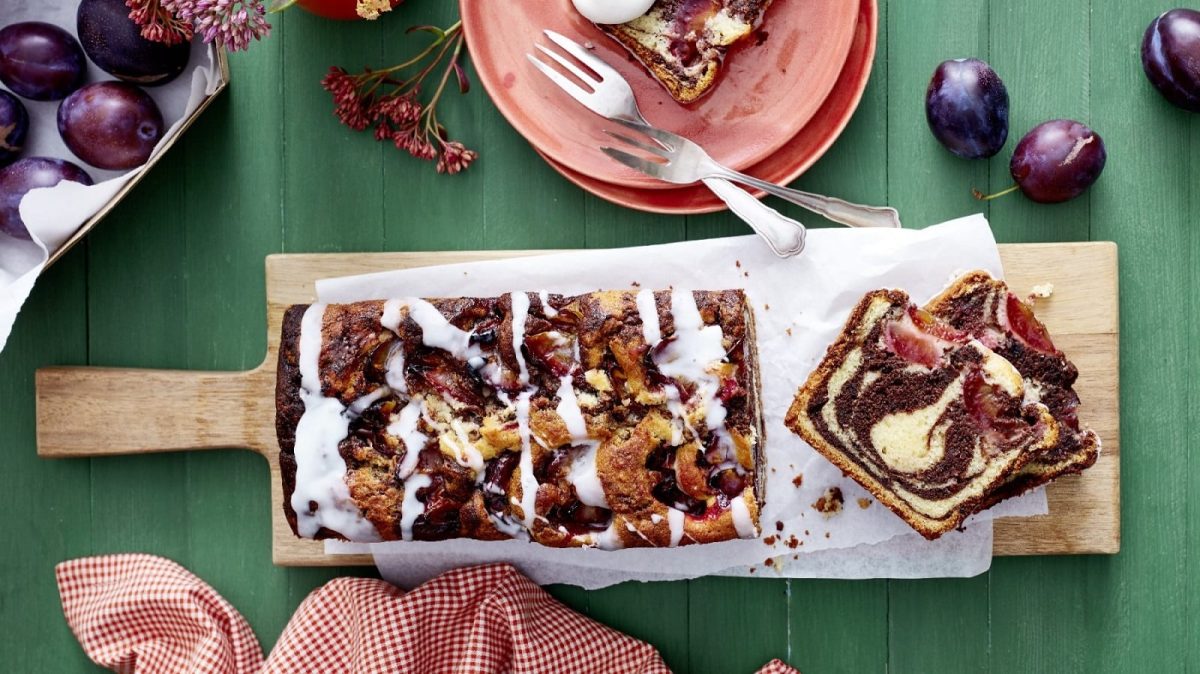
<point x="837" y="210"/>
<point x="784" y="235"/>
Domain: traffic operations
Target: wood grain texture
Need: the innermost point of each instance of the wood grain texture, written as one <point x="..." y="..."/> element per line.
<point x="132" y="411"/>
<point x="173" y="279"/>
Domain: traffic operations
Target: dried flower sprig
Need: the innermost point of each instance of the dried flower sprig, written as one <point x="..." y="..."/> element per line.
<point x="231" y="24"/>
<point x="390" y="102"/>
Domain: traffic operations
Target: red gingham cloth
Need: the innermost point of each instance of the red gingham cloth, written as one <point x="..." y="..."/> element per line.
<point x="148" y="615"/>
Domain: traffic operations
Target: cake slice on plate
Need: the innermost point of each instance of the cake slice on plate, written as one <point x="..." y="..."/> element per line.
<point x="925" y="417"/>
<point x="682" y="42"/>
<point x="984" y="307"/>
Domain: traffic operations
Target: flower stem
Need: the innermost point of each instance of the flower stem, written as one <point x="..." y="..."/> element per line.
<point x="988" y="197"/>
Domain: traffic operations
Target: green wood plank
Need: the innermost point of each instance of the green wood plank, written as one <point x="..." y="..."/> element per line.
<point x="332" y="180"/>
<point x="825" y="616"/>
<point x="1192" y="570"/>
<point x="925" y="182"/>
<point x="1143" y="209"/>
<point x="227" y="308"/>
<point x="722" y="635"/>
<point x="1046" y="79"/>
<point x="838" y="626"/>
<point x="929" y="185"/>
<point x="1037" y="605"/>
<point x="49" y="503"/>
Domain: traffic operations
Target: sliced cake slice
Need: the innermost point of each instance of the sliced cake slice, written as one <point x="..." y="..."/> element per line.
<point x="985" y="308"/>
<point x="682" y="42"/>
<point x="924" y="417"/>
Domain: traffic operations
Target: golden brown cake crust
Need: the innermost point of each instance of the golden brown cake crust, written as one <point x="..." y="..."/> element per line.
<point x="594" y="341"/>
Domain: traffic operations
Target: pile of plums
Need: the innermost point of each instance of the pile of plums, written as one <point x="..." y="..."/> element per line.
<point x="966" y="106"/>
<point x="112" y="124"/>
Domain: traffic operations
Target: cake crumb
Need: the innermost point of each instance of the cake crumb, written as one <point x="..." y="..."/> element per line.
<point x="798" y="480"/>
<point x="769" y="562"/>
<point x="794" y="542"/>
<point x="737" y="263"/>
<point x="752" y="569"/>
<point x="766" y="307"/>
<point x="746" y="274"/>
<point x="1041" y="291"/>
<point x="864" y="503"/>
<point x="806" y="533"/>
<point x="830" y="502"/>
<point x="789" y="332"/>
<point x="778" y="525"/>
<point x="635" y="284"/>
<point x="826" y="534"/>
<point x="769" y="540"/>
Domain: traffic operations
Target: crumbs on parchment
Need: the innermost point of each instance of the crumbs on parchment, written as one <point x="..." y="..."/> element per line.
<point x="769" y="540"/>
<point x="798" y="480"/>
<point x="794" y="542"/>
<point x="864" y="503"/>
<point x="778" y="525"/>
<point x="830" y="502"/>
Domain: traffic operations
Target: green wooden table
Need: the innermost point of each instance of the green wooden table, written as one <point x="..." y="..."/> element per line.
<point x="173" y="279"/>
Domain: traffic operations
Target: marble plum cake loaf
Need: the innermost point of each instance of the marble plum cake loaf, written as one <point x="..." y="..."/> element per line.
<point x="609" y="419"/>
<point x="682" y="42"/>
<point x="926" y="418"/>
<point x="985" y="308"/>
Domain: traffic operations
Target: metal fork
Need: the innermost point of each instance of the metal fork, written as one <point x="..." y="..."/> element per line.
<point x="613" y="98"/>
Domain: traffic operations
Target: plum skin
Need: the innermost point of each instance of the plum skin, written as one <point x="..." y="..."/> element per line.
<point x="25" y="175"/>
<point x="111" y="125"/>
<point x="14" y="127"/>
<point x="1171" y="57"/>
<point x="1057" y="161"/>
<point x="41" y="61"/>
<point x="966" y="106"/>
<point x="115" y="43"/>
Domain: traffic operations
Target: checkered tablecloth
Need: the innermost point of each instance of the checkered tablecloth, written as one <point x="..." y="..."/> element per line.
<point x="148" y="615"/>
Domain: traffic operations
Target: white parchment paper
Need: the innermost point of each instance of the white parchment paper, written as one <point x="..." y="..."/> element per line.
<point x="800" y="305"/>
<point x="53" y="214"/>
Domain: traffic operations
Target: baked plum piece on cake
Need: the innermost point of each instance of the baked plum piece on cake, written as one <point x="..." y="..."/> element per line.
<point x="985" y="308"/>
<point x="923" y="416"/>
<point x="682" y="42"/>
<point x="609" y="419"/>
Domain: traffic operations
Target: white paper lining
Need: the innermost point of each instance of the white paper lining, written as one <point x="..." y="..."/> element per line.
<point x="53" y="214"/>
<point x="808" y="297"/>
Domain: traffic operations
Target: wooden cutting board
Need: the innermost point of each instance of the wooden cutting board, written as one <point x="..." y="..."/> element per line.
<point x="88" y="411"/>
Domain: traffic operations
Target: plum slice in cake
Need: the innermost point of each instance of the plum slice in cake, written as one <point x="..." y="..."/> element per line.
<point x="984" y="307"/>
<point x="923" y="416"/>
<point x="682" y="42"/>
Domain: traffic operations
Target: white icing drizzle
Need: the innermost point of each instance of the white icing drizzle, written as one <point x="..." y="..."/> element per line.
<point x="436" y="331"/>
<point x="320" y="470"/>
<point x="656" y="518"/>
<point x="359" y="406"/>
<point x="742" y="522"/>
<point x="695" y="349"/>
<point x="404" y="426"/>
<point x="548" y="310"/>
<point x="634" y="530"/>
<point x="648" y="312"/>
<point x="608" y="539"/>
<point x="520" y="312"/>
<point x="583" y="476"/>
<point x="412" y="508"/>
<point x="675" y="521"/>
<point x="582" y="473"/>
<point x="568" y="409"/>
<point x="395" y="370"/>
<point x="529" y="483"/>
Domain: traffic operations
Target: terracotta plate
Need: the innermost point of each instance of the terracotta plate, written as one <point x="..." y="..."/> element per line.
<point x="782" y="167"/>
<point x="766" y="94"/>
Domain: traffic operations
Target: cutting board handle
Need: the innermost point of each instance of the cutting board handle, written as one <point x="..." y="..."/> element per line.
<point x="93" y="411"/>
